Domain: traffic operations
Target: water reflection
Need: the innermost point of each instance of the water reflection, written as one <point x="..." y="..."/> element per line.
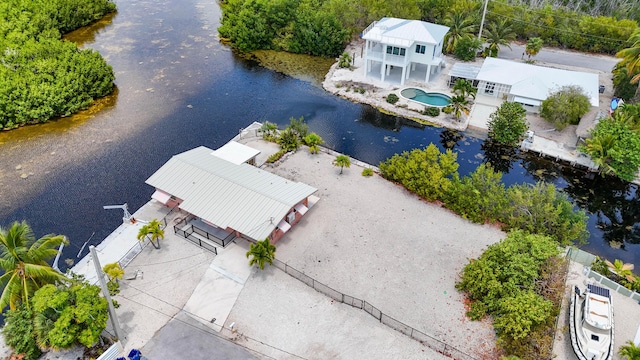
<point x="616" y="206"/>
<point x="449" y="138"/>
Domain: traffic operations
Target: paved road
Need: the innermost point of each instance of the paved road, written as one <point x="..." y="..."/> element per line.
<point x="185" y="338"/>
<point x="563" y="57"/>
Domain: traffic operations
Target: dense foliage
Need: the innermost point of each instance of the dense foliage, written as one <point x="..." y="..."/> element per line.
<point x="66" y="316"/>
<point x="565" y="106"/>
<point x="615" y="146"/>
<point x="622" y="86"/>
<point x="508" y="124"/>
<point x="19" y="333"/>
<point x="509" y="282"/>
<point x="482" y="197"/>
<point x="43" y="77"/>
<point x="467" y="48"/>
<point x="23" y="262"/>
<point x="321" y="27"/>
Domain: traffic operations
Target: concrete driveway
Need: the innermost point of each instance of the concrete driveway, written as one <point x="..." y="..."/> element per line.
<point x="186" y="338"/>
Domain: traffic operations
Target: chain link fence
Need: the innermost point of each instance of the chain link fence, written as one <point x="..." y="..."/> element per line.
<point x="399" y="326"/>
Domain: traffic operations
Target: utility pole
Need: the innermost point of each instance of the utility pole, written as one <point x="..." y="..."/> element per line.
<point x="105" y="291"/>
<point x="484" y="12"/>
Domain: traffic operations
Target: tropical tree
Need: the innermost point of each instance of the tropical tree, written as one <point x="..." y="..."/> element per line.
<point x="460" y="26"/>
<point x="565" y="106"/>
<point x="467" y="48"/>
<point x="342" y="161"/>
<point x="459" y="105"/>
<point x="534" y="45"/>
<point x="23" y="259"/>
<point x="631" y="55"/>
<point x="496" y="34"/>
<point x="261" y="252"/>
<point x="153" y="231"/>
<point x="345" y="60"/>
<point x="313" y="141"/>
<point x="622" y="86"/>
<point x="508" y="124"/>
<point x="629" y="351"/>
<point x="465" y="88"/>
<point x="621" y="269"/>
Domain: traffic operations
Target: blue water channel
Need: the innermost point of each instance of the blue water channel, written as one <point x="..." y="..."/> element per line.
<point x="179" y="88"/>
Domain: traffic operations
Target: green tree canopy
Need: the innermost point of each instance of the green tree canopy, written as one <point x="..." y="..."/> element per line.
<point x="533" y="47"/>
<point x="565" y="106"/>
<point x="66" y="316"/>
<point x="261" y="252"/>
<point x="508" y="124"/>
<point x="23" y="259"/>
<point x="615" y="147"/>
<point x="498" y="33"/>
<point x="152" y="231"/>
<point x="342" y="161"/>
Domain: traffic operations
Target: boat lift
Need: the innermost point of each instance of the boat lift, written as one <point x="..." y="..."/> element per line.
<point x="127" y="217"/>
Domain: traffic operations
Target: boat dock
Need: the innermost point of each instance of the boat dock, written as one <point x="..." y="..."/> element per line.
<point x="557" y="151"/>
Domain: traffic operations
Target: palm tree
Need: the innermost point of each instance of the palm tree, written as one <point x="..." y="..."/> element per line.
<point x="460" y="25"/>
<point x="631" y="55"/>
<point x="24" y="262"/>
<point x="497" y="34"/>
<point x="459" y="105"/>
<point x="313" y="141"/>
<point x="621" y="269"/>
<point x="261" y="252"/>
<point x="153" y="231"/>
<point x="598" y="149"/>
<point x="342" y="161"/>
<point x="630" y="351"/>
<point x="534" y="45"/>
<point x="464" y="88"/>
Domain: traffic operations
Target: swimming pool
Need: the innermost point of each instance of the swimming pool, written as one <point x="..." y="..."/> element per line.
<point x="428" y="98"/>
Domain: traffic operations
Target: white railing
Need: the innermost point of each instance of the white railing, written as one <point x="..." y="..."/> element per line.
<point x="365" y="31"/>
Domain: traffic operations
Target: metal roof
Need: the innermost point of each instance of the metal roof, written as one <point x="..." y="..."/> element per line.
<point x="537" y="82"/>
<point x="405" y="33"/>
<point x="465" y="71"/>
<point x="236" y="153"/>
<point x="237" y="196"/>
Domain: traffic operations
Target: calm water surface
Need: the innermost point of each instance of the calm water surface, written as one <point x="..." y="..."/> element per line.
<point x="178" y="88"/>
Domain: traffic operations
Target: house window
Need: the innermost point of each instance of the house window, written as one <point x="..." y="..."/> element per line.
<point x="420" y="49"/>
<point x="396" y="50"/>
<point x="489" y="88"/>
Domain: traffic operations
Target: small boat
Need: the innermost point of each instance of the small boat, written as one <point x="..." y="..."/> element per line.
<point x="591" y="323"/>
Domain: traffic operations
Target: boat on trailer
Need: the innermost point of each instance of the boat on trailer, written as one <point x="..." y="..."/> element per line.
<point x="591" y="323"/>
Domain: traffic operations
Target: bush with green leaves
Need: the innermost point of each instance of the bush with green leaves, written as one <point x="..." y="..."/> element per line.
<point x="480" y="197"/>
<point x="467" y="48"/>
<point x="276" y="156"/>
<point x="392" y="98"/>
<point x="615" y="146"/>
<point x="19" y="333"/>
<point x="565" y="106"/>
<point x="67" y="316"/>
<point x="366" y="172"/>
<point x="622" y="86"/>
<point x="288" y="140"/>
<point x="427" y="172"/>
<point x="504" y="283"/>
<point x="269" y="131"/>
<point x="43" y="77"/>
<point x="508" y="124"/>
<point x="345" y="60"/>
<point x="431" y="111"/>
<point x="298" y="126"/>
<point x="313" y="141"/>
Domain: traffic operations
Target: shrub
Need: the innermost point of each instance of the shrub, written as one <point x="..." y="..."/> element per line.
<point x="467" y="48"/>
<point x="345" y="60"/>
<point x="276" y="156"/>
<point x="428" y="172"/>
<point x="508" y="124"/>
<point x="392" y="98"/>
<point x="288" y="140"/>
<point x="367" y="172"/>
<point x="313" y="141"/>
<point x="431" y="111"/>
<point x="481" y="196"/>
<point x="448" y="109"/>
<point x="19" y="334"/>
<point x="565" y="106"/>
<point x="269" y="131"/>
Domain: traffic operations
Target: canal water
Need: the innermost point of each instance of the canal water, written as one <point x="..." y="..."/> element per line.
<point x="178" y="87"/>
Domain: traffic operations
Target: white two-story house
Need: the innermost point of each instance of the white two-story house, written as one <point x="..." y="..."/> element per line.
<point x="398" y="48"/>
